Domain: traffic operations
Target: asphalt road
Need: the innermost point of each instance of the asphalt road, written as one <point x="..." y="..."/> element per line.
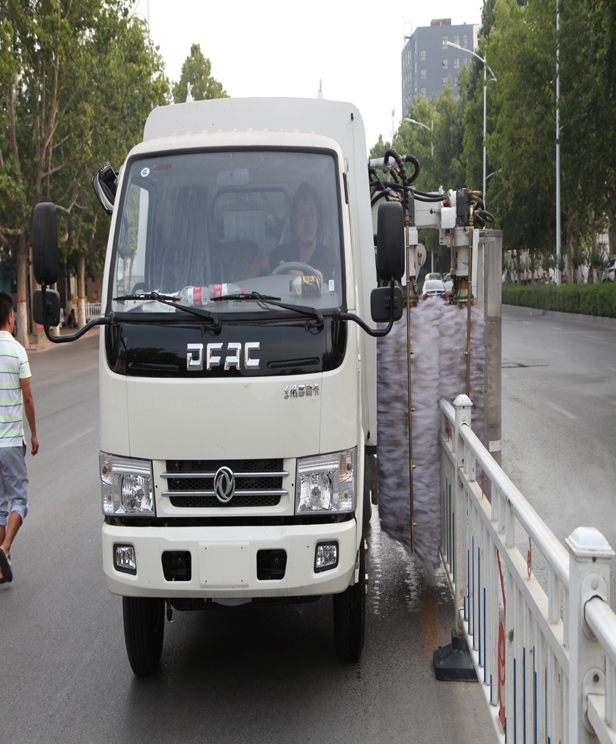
<point x="250" y="674"/>
<point x="559" y="419"/>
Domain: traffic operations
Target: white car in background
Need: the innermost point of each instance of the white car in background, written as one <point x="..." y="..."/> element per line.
<point x="433" y="288"/>
<point x="448" y="282"/>
<point x="609" y="270"/>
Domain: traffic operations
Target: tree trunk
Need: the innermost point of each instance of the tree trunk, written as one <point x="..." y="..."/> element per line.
<point x="81" y="288"/>
<point x="21" y="320"/>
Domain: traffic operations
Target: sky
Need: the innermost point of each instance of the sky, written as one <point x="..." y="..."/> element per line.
<point x="285" y="48"/>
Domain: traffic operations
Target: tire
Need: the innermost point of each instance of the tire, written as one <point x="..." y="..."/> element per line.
<point x="144" y="628"/>
<point x="350" y="616"/>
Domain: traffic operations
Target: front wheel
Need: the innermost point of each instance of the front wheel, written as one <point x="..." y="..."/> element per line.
<point x="144" y="627"/>
<point x="350" y="616"/>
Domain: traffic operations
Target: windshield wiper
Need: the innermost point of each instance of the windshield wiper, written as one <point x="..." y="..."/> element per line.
<point x="310" y="312"/>
<point x="172" y="301"/>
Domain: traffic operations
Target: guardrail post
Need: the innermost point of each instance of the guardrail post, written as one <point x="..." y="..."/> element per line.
<point x="589" y="576"/>
<point x="462" y="405"/>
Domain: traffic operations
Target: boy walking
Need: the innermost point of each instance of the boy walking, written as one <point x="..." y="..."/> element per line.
<point x="15" y="396"/>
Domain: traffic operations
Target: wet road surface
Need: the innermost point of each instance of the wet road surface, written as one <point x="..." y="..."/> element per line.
<point x="252" y="673"/>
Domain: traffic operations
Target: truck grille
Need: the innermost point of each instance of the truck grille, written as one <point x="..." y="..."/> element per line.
<point x="190" y="483"/>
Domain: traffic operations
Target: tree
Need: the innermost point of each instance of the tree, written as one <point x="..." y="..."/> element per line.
<point x="71" y="71"/>
<point x="522" y="52"/>
<point x="197" y="70"/>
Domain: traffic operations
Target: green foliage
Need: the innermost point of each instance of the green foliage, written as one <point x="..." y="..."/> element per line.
<point x="77" y="81"/>
<point x="379" y="149"/>
<point x="197" y="70"/>
<point x="586" y="299"/>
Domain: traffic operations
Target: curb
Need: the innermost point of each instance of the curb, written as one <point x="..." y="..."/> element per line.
<point x="597" y="319"/>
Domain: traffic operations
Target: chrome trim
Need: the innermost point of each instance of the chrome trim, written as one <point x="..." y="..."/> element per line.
<point x="270" y="492"/>
<point x="262" y="474"/>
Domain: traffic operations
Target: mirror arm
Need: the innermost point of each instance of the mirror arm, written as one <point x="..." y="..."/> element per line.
<point x="374" y="332"/>
<point x="73" y="336"/>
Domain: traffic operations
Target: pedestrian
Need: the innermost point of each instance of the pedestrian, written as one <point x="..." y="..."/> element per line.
<point x="17" y="396"/>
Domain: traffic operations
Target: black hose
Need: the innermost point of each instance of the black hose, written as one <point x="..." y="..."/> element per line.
<point x="379" y="195"/>
<point x="412" y="159"/>
<point x="433" y="200"/>
<point x="390" y="152"/>
<point x="485" y="215"/>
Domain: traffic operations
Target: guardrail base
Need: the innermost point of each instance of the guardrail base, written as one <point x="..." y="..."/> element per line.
<point x="453" y="663"/>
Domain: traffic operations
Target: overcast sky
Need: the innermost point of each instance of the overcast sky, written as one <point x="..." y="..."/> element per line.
<point x="283" y="48"/>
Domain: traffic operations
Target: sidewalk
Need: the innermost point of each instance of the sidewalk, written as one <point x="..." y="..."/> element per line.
<point x="42" y="343"/>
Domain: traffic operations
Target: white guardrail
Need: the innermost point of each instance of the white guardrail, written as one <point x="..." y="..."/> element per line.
<point x="546" y="661"/>
<point x="93" y="310"/>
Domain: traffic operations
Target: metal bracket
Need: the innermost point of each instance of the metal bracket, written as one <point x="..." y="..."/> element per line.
<point x="592" y="684"/>
<point x="592" y="586"/>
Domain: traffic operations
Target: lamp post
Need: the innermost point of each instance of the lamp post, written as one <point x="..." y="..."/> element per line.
<point x="488" y="177"/>
<point x="558" y="128"/>
<point x="431" y="130"/>
<point x="485" y="87"/>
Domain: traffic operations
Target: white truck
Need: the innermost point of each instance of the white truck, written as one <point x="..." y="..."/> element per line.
<point x="238" y="417"/>
<point x="237" y="382"/>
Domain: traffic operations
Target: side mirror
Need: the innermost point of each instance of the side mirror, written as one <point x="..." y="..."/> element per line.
<point x="380" y="304"/>
<point x="45" y="243"/>
<point x="105" y="183"/>
<point x="52" y="309"/>
<point x="390" y="242"/>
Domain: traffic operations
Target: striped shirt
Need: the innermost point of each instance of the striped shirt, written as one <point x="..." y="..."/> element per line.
<point x="14" y="368"/>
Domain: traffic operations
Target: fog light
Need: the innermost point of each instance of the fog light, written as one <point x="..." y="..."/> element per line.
<point x="326" y="556"/>
<point x="124" y="559"/>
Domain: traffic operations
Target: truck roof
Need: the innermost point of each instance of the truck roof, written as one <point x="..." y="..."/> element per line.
<point x="339" y="120"/>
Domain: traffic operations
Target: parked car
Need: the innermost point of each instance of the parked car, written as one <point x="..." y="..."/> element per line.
<point x="609" y="270"/>
<point x="448" y="282"/>
<point x="433" y="288"/>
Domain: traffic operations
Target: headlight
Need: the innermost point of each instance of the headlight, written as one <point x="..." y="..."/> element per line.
<point x="127" y="486"/>
<point x="326" y="483"/>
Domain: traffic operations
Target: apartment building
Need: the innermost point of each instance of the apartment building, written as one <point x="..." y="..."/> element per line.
<point x="427" y="61"/>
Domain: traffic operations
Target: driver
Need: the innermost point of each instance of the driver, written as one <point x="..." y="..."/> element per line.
<point x="304" y="246"/>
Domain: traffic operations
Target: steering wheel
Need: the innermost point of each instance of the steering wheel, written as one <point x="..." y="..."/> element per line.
<point x="285" y="268"/>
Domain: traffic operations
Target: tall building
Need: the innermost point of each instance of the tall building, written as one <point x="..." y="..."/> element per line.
<point x="427" y="61"/>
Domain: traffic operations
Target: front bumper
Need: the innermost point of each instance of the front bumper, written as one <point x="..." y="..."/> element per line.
<point x="224" y="560"/>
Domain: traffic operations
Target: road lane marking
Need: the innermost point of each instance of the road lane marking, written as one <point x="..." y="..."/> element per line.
<point x="74" y="439"/>
<point x="612" y="369"/>
<point x="556" y="351"/>
<point x="528" y="322"/>
<point x="515" y="338"/>
<point x="561" y="410"/>
<point x="599" y="338"/>
<point x="554" y="328"/>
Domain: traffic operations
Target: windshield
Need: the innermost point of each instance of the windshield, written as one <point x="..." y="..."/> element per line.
<point x="203" y="225"/>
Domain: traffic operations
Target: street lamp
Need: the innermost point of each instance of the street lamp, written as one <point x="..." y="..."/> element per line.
<point x="488" y="177"/>
<point x="485" y="84"/>
<point x="430" y="129"/>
